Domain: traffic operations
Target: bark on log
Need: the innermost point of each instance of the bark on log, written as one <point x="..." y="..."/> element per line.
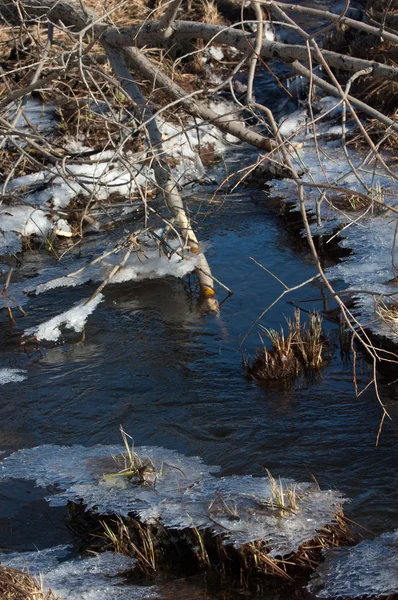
<point x="184" y="30"/>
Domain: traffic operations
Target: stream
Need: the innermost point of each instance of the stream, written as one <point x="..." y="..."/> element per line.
<point x="150" y="361"/>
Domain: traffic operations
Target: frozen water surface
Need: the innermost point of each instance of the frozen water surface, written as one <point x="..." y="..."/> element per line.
<point x="368" y="569"/>
<point x="90" y="578"/>
<point x="184" y="493"/>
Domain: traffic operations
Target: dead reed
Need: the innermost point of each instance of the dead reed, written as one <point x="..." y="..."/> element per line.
<point x="18" y="585"/>
<point x="194" y="550"/>
<point x="302" y="349"/>
<point x="387" y="310"/>
<point x="132" y="468"/>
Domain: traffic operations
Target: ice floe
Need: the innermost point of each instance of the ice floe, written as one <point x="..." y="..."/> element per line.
<point x="92" y="578"/>
<point x="75" y="318"/>
<point x="369" y="569"/>
<point x="12" y="375"/>
<point x="184" y="493"/>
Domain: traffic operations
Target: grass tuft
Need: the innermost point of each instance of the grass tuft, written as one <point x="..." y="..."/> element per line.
<point x="302" y="349"/>
<point x="133" y="468"/>
<point x="18" y="585"/>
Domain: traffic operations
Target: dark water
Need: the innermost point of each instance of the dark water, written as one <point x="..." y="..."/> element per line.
<point x="173" y="377"/>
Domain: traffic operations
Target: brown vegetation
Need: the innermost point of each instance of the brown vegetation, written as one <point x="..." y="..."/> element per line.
<point x="302" y="349"/>
<point x="192" y="550"/>
<point x="17" y="585"/>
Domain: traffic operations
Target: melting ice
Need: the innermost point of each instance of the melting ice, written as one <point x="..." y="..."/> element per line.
<point x="184" y="493"/>
<point x="91" y="578"/>
<point x="368" y="231"/>
<point x="368" y="569"/>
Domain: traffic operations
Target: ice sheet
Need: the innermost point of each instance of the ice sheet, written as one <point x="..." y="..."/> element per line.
<point x="368" y="569"/>
<point x="184" y="493"/>
<point x="90" y="578"/>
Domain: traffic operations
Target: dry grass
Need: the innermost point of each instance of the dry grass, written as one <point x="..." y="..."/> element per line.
<point x="349" y="202"/>
<point x="303" y="348"/>
<point x="131" y="466"/>
<point x="132" y="539"/>
<point x="193" y="550"/>
<point x="388" y="311"/>
<point x="17" y="585"/>
<point x="283" y="497"/>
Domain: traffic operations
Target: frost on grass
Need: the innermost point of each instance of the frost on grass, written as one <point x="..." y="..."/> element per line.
<point x="74" y="318"/>
<point x="12" y="376"/>
<point x="186" y="494"/>
<point x="90" y="578"/>
<point x="365" y="227"/>
<point x="369" y="569"/>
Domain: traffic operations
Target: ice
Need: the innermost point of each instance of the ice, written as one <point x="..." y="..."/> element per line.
<point x="368" y="569"/>
<point x="148" y="262"/>
<point x="216" y="52"/>
<point x="41" y="116"/>
<point x="367" y="231"/>
<point x="74" y="318"/>
<point x="26" y="221"/>
<point x="184" y="493"/>
<point x="295" y="121"/>
<point x="90" y="578"/>
<point x="12" y="375"/>
<point x="10" y="242"/>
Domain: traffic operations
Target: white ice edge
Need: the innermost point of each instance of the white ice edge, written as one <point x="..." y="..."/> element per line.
<point x="75" y="318"/>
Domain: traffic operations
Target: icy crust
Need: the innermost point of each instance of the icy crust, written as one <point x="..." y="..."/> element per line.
<point x="146" y="263"/>
<point x="184" y="493"/>
<point x="368" y="569"/>
<point x="80" y="578"/>
<point x="75" y="318"/>
<point x="368" y="232"/>
<point x="12" y="376"/>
